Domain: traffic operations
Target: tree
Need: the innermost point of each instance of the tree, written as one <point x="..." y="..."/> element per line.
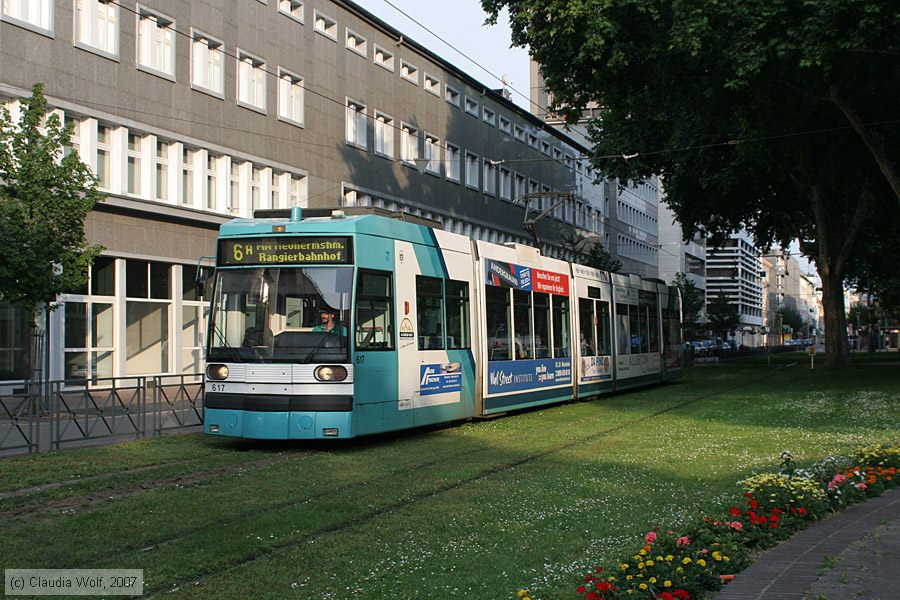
<point x="723" y="316"/>
<point x="692" y="301"/>
<point x="791" y="317"/>
<point x="45" y="197"/>
<point x="773" y="117"/>
<point x="591" y="255"/>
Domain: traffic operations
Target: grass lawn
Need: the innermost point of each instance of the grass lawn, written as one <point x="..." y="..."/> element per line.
<point x="473" y="510"/>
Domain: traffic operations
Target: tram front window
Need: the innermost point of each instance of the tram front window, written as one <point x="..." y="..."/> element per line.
<point x="283" y="315"/>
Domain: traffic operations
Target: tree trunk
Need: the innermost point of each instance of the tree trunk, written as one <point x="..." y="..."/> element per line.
<point x="837" y="349"/>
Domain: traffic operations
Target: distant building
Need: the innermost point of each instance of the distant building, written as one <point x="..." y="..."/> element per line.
<point x="677" y="255"/>
<point x="733" y="272"/>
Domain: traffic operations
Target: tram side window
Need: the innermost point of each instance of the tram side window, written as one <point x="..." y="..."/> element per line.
<point x="648" y="320"/>
<point x="542" y="332"/>
<point x="458" y="323"/>
<point x="634" y="326"/>
<point x="654" y="328"/>
<point x="561" y="338"/>
<point x="374" y="311"/>
<point x="603" y="337"/>
<point x="623" y="333"/>
<point x="497" y="318"/>
<point x="522" y="320"/>
<point x="586" y="327"/>
<point x="430" y="312"/>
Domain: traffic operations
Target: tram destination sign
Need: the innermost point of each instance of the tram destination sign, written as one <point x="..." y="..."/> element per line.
<point x="281" y="250"/>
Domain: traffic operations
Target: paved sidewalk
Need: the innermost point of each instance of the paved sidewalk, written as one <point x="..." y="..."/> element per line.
<point x="852" y="555"/>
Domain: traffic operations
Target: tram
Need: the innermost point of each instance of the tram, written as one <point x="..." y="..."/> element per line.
<point x="338" y="324"/>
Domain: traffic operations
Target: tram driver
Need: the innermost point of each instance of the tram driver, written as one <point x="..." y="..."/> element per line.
<point x="329" y="321"/>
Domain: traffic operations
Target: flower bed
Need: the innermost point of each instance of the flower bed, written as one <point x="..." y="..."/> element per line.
<point x="671" y="565"/>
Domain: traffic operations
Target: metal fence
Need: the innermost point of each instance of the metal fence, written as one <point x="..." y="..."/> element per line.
<point x="81" y="412"/>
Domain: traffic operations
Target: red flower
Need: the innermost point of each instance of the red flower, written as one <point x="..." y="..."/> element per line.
<point x="748" y="495"/>
<point x="604" y="586"/>
<point x="776" y="511"/>
<point x="598" y="570"/>
<point x="666" y="596"/>
<point x="801" y="511"/>
<point x="773" y="526"/>
<point x="762" y="519"/>
<point x="753" y="504"/>
<point x="593" y="596"/>
<point x="680" y="593"/>
<point x="734" y="510"/>
<point x="774" y="518"/>
<point x="580" y="589"/>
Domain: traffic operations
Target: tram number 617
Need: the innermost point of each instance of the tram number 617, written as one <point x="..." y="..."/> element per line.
<point x="217" y="387"/>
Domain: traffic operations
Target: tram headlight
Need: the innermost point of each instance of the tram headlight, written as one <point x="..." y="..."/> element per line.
<point x="217" y="372"/>
<point x="330" y="373"/>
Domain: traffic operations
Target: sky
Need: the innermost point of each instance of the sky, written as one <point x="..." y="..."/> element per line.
<point x="461" y="23"/>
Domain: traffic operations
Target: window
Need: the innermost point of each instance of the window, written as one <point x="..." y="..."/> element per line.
<point x="520" y="189"/>
<point x="290" y="97"/>
<point x="471" y="170"/>
<point x="374" y="311"/>
<point x="519" y="133"/>
<point x="275" y="190"/>
<point x="162" y="170"/>
<point x="75" y="139"/>
<point x="384" y="135"/>
<point x="458" y="326"/>
<point x="325" y="25"/>
<point x="291" y="8"/>
<point x="498" y="319"/>
<point x="251" y="81"/>
<point x="103" y="150"/>
<point x="432" y="154"/>
<point x="212" y="176"/>
<point x="357" y="43"/>
<point x="188" y="155"/>
<point x="234" y="188"/>
<point x="452" y="159"/>
<point x="430" y="312"/>
<point x="297" y="191"/>
<point x="545" y="148"/>
<point x="356" y="124"/>
<point x="452" y="96"/>
<point x="133" y="183"/>
<point x="148" y="302"/>
<point x="524" y="334"/>
<point x="38" y="13"/>
<point x="409" y="72"/>
<point x="156" y="43"/>
<point x="471" y="107"/>
<point x="97" y="25"/>
<point x="505" y="184"/>
<point x="490" y="177"/>
<point x="505" y="125"/>
<point x="384" y="58"/>
<point x="207" y="64"/>
<point x="489" y="116"/>
<point x="432" y="85"/>
<point x="255" y="188"/>
<point x="409" y="143"/>
<point x="561" y="338"/>
<point x="532" y="140"/>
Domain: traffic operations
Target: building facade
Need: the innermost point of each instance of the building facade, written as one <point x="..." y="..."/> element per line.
<point x="194" y="112"/>
<point x="679" y="256"/>
<point x="631" y="211"/>
<point x="733" y="273"/>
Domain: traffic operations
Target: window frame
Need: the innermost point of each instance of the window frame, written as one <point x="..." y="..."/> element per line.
<point x="360" y="123"/>
<point x="256" y="64"/>
<point x="196" y="37"/>
<point x="387" y="61"/>
<point x="88" y="46"/>
<point x="348" y="33"/>
<point x="141" y="13"/>
<point x="48" y="5"/>
<point x="290" y="14"/>
<point x="391" y="345"/>
<point x="329" y="24"/>
<point x="412" y="72"/>
<point x="297" y="82"/>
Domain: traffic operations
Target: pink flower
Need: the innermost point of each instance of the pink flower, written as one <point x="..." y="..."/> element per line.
<point x="861" y="486"/>
<point x="650" y="537"/>
<point x="682" y="541"/>
<point x="737" y="525"/>
<point x="838" y="479"/>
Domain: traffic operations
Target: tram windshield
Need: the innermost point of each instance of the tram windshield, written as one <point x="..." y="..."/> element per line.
<point x="281" y="315"/>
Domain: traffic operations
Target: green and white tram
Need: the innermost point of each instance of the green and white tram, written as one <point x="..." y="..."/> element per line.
<point x="336" y="324"/>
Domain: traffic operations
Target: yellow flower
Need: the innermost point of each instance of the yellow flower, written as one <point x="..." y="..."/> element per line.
<point x="624" y="566"/>
<point x="611" y="578"/>
<point x="670" y="558"/>
<point x="679" y="570"/>
<point x="640" y="565"/>
<point x="526" y="598"/>
<point x="717" y="555"/>
<point x="660" y="558"/>
<point x="686" y="560"/>
<point x="522" y="593"/>
<point x="652" y="580"/>
<point x="650" y="563"/>
<point x="636" y="557"/>
<point x="643" y="552"/>
<point x="725" y="558"/>
<point x="701" y="562"/>
<point x="643" y="586"/>
<point x="630" y="592"/>
<point x="629" y="577"/>
<point x="667" y="583"/>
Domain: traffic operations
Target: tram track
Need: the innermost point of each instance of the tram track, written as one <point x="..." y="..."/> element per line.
<point x="360" y="519"/>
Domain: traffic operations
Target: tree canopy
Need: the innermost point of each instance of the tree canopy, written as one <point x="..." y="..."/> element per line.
<point x="692" y="300"/>
<point x="775" y="117"/>
<point x="44" y="199"/>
